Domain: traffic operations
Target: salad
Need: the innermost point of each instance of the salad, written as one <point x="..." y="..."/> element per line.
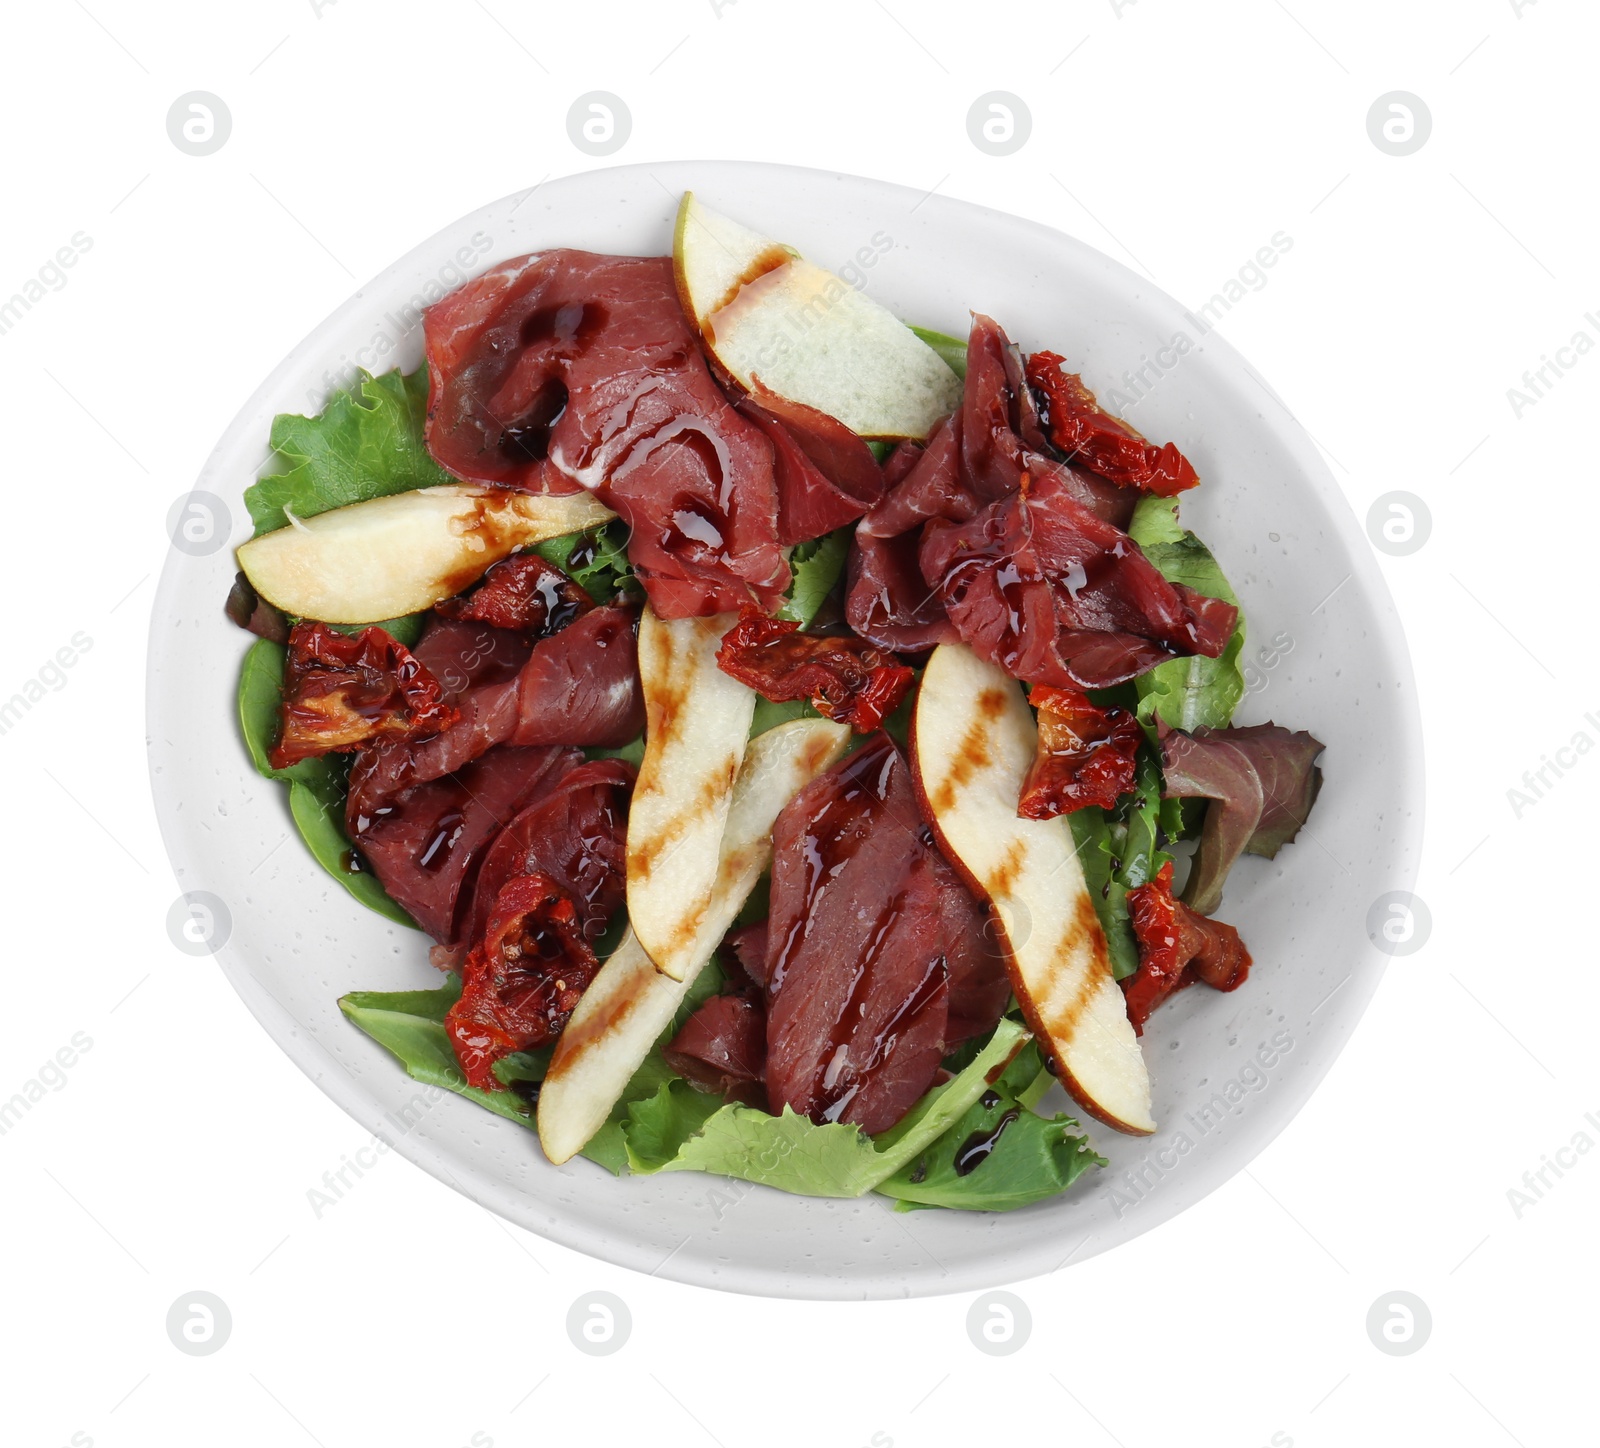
<point x="804" y="738"/>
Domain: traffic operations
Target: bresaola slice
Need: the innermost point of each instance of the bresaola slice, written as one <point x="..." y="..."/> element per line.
<point x="1054" y="595"/>
<point x="858" y="987"/>
<point x="579" y="686"/>
<point x="425" y="843"/>
<point x="1261" y="780"/>
<point x="575" y="834"/>
<point x="569" y="370"/>
<point x="722" y="1048"/>
<point x="826" y="476"/>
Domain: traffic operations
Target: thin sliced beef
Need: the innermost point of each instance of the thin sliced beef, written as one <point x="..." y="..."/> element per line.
<point x="722" y="1048"/>
<point x="933" y="485"/>
<point x="568" y="369"/>
<point x="748" y="948"/>
<point x="888" y="602"/>
<point x="579" y="686"/>
<point x="575" y="833"/>
<point x="974" y="954"/>
<point x="826" y="475"/>
<point x="423" y="844"/>
<point x="1039" y="585"/>
<point x="858" y="989"/>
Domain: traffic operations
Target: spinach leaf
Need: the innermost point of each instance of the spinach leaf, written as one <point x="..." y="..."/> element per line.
<point x="1194" y="692"/>
<point x="367" y="442"/>
<point x="1118" y="852"/>
<point x="317" y="787"/>
<point x="952" y="351"/>
<point x="409" y="1024"/>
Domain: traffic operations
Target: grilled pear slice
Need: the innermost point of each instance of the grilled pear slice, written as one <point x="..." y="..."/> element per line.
<point x="697" y="722"/>
<point x="630" y="1003"/>
<point x="772" y="317"/>
<point x="973" y="738"/>
<point x="392" y="556"/>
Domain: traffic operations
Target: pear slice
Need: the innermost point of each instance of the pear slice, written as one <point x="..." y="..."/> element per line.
<point x="393" y="556"/>
<point x="630" y="1003"/>
<point x="697" y="723"/>
<point x="973" y="738"/>
<point x="772" y="317"/>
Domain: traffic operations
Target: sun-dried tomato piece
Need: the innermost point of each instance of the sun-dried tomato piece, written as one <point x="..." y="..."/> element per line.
<point x="521" y="983"/>
<point x="1095" y="439"/>
<point x="847" y="680"/>
<point x="523" y="592"/>
<point x="342" y="691"/>
<point x="1176" y="948"/>
<point x="1086" y="755"/>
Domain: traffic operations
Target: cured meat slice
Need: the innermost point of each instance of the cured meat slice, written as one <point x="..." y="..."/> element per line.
<point x="722" y="1048"/>
<point x="424" y="843"/>
<point x="580" y="686"/>
<point x="575" y="834"/>
<point x="859" y="981"/>
<point x="1039" y="585"/>
<point x="568" y="369"/>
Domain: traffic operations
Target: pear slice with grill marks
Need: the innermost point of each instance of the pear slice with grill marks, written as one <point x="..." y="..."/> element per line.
<point x="973" y="738"/>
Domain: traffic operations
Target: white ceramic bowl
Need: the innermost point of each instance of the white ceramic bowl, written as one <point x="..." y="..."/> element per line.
<point x="1270" y="511"/>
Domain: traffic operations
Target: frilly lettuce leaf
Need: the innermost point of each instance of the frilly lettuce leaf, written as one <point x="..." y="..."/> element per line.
<point x="794" y="1154"/>
<point x="817" y="565"/>
<point x="1032" y="1157"/>
<point x="367" y="442"/>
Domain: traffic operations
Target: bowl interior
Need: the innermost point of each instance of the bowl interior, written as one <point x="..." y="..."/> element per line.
<point x="1325" y="653"/>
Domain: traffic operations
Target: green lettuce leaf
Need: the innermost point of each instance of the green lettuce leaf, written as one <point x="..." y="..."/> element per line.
<point x="952" y="351"/>
<point x="366" y="443"/>
<point x="602" y="569"/>
<point x="817" y="566"/>
<point x="794" y="1154"/>
<point x="317" y="787"/>
<point x="1194" y="692"/>
<point x="1032" y="1157"/>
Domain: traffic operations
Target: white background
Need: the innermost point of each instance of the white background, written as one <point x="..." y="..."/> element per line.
<point x="179" y="1152"/>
